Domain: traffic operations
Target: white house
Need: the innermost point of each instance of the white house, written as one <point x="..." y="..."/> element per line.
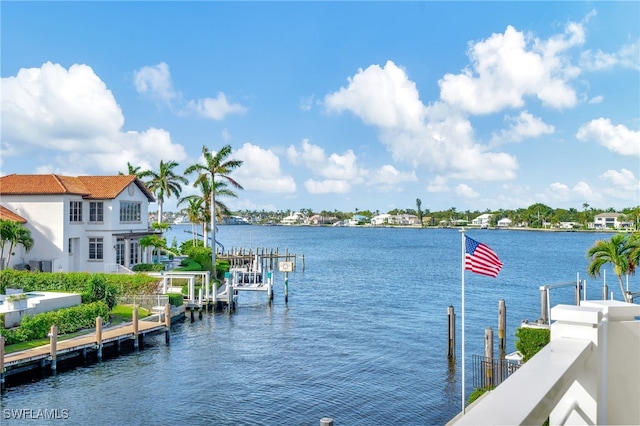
<point x="505" y="222"/>
<point x="610" y="220"/>
<point x="482" y="220"/>
<point x="84" y="223"/>
<point x="294" y="219"/>
<point x="381" y="219"/>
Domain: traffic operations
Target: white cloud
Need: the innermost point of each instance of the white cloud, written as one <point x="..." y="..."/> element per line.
<point x="628" y="56"/>
<point x="155" y="81"/>
<point x="434" y="137"/>
<point x="618" y="139"/>
<point x="622" y="182"/>
<point x="260" y="171"/>
<point x="215" y="108"/>
<point x="596" y="100"/>
<point x="383" y="97"/>
<point x="466" y="191"/>
<point x="335" y="166"/>
<point x="327" y="186"/>
<point x="507" y="67"/>
<point x="524" y="126"/>
<point x="72" y="121"/>
<point x="389" y="176"/>
<point x="438" y="184"/>
<point x="561" y="193"/>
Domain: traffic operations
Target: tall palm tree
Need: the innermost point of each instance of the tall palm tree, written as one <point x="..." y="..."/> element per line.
<point x="215" y="165"/>
<point x="618" y="251"/>
<point x="164" y="183"/>
<point x="14" y="234"/>
<point x="131" y="170"/>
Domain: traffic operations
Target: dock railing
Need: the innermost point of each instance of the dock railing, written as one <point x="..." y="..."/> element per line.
<point x="587" y="374"/>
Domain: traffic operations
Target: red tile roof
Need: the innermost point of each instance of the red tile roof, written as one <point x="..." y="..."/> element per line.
<point x="7" y="214"/>
<point x="91" y="187"/>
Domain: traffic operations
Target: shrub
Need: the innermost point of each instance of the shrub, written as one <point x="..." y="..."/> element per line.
<point x="531" y="340"/>
<point x="68" y="320"/>
<point x="146" y="267"/>
<point x="176" y="299"/>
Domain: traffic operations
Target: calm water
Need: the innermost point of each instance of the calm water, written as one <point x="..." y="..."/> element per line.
<point x="362" y="339"/>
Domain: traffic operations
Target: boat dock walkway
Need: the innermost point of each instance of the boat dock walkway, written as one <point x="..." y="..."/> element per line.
<point x="47" y="355"/>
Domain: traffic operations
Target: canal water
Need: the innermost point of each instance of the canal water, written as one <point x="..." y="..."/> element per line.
<point x="363" y="338"/>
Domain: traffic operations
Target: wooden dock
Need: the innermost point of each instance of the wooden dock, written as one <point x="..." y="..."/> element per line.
<point x="47" y="355"/>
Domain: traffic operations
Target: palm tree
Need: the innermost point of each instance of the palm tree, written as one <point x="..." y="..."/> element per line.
<point x="164" y="183"/>
<point x="619" y="252"/>
<point x="131" y="170"/>
<point x="215" y="165"/>
<point x="14" y="234"/>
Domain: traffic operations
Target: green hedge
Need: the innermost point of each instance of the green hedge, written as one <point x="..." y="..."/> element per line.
<point x="176" y="299"/>
<point x="531" y="340"/>
<point x="68" y="320"/>
<point x="146" y="267"/>
<point x="75" y="282"/>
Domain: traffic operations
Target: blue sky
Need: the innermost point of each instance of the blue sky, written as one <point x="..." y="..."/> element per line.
<point x="335" y="105"/>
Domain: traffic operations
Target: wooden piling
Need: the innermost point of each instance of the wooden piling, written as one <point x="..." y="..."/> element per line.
<point x="286" y="287"/>
<point x="2" y="364"/>
<point x="502" y="321"/>
<point x="167" y="322"/>
<point x="451" y="354"/>
<point x="99" y="337"/>
<point x="53" y="347"/>
<point x="488" y="356"/>
<point x="134" y="321"/>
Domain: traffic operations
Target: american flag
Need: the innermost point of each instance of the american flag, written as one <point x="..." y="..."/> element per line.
<point x="479" y="258"/>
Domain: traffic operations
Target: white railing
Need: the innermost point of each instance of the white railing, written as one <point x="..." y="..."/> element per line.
<point x="589" y="373"/>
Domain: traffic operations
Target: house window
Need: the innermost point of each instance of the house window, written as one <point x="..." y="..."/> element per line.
<point x="130" y="211"/>
<point x="96" y="248"/>
<point x="134" y="256"/>
<point x="120" y="252"/>
<point x="75" y="211"/>
<point x="96" y="211"/>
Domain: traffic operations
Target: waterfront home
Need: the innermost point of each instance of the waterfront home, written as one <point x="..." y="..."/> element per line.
<point x="84" y="223"/>
<point x="610" y="221"/>
<point x="505" y="222"/>
<point x="482" y="221"/>
<point x="296" y="218"/>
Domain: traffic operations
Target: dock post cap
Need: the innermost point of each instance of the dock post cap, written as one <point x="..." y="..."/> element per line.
<point x="326" y="421"/>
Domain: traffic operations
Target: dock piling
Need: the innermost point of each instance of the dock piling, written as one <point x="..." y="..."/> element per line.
<point x="167" y="322"/>
<point x="53" y="347"/>
<point x="502" y="321"/>
<point x="134" y="321"/>
<point x="326" y="421"/>
<point x="488" y="356"/>
<point x="451" y="354"/>
<point x="99" y="336"/>
<point x="1" y="363"/>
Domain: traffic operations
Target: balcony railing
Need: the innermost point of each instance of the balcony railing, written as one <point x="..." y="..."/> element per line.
<point x="589" y="373"/>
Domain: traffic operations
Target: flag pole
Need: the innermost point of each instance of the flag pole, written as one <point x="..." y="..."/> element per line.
<point x="462" y="281"/>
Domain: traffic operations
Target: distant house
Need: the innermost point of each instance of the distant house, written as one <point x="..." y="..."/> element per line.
<point x="505" y="222"/>
<point x="84" y="223"/>
<point x="482" y="220"/>
<point x="610" y="220"/>
<point x="381" y="219"/>
<point x="317" y="219"/>
<point x="296" y="218"/>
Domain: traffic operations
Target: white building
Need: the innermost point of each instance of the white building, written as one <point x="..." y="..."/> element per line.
<point x="482" y="220"/>
<point x="505" y="222"/>
<point x="296" y="218"/>
<point x="85" y="223"/>
<point x="610" y="220"/>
